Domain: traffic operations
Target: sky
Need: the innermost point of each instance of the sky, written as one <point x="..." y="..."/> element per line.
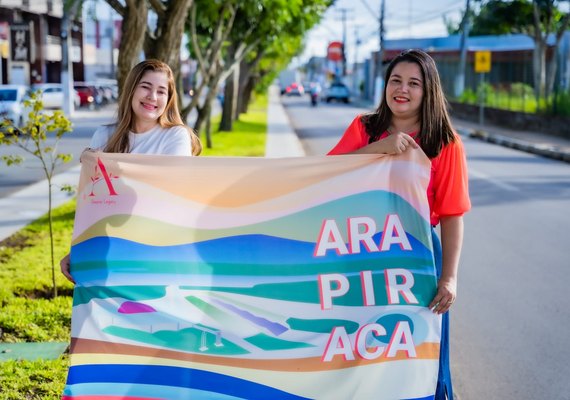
<point x="402" y="19"/>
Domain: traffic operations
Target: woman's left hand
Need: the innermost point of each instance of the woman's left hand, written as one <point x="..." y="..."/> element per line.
<point x="445" y="296"/>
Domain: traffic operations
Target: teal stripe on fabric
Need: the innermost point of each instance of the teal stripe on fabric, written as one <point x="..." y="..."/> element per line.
<point x="83" y="295"/>
<point x="301" y="291"/>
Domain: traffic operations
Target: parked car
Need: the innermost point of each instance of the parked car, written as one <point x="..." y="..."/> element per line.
<point x="52" y="95"/>
<point x="88" y="95"/>
<point x="106" y="92"/>
<point x="295" y="89"/>
<point x="12" y="103"/>
<point x="337" y="92"/>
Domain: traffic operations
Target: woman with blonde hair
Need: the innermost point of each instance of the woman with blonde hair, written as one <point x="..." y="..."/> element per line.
<point x="148" y="121"/>
<point x="148" y="118"/>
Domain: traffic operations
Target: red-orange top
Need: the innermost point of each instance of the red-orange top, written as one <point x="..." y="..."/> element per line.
<point x="448" y="189"/>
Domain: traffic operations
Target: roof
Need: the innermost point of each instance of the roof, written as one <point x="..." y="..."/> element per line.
<point x="514" y="42"/>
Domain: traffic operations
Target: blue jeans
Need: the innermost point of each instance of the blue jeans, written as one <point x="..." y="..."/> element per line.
<point x="444" y="376"/>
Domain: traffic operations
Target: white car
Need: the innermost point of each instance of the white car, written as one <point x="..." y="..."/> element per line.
<point x="12" y="104"/>
<point x="52" y="95"/>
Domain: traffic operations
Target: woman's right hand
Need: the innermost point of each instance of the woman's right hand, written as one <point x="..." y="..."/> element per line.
<point x="65" y="265"/>
<point x="395" y="143"/>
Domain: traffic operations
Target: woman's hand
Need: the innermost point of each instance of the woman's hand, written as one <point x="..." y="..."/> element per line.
<point x="445" y="296"/>
<point x="395" y="143"/>
<point x="65" y="264"/>
<point x="451" y="242"/>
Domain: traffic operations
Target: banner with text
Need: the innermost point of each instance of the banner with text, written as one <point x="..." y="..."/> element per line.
<point x="253" y="278"/>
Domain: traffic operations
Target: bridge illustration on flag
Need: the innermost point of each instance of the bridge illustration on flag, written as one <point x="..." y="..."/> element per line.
<point x="253" y="278"/>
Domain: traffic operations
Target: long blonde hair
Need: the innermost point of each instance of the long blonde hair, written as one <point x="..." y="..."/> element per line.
<point x="119" y="141"/>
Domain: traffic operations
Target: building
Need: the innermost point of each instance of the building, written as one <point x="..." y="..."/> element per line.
<point x="511" y="59"/>
<point x="101" y="40"/>
<point x="30" y="42"/>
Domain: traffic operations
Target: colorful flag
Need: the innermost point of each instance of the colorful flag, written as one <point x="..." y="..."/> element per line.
<point x="253" y="278"/>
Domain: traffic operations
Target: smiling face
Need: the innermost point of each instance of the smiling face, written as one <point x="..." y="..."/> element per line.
<point x="404" y="90"/>
<point x="149" y="100"/>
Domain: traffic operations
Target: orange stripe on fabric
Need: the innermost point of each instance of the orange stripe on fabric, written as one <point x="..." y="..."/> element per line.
<point x="86" y="346"/>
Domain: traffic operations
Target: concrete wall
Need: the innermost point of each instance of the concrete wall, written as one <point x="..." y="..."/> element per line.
<point x="554" y="125"/>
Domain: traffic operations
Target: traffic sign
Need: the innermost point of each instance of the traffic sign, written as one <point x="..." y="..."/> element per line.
<point x="334" y="51"/>
<point x="482" y="61"/>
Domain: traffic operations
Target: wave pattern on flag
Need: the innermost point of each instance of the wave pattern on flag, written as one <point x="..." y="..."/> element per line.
<point x="250" y="278"/>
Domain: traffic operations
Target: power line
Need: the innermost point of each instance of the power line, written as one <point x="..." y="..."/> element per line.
<point x="370" y="10"/>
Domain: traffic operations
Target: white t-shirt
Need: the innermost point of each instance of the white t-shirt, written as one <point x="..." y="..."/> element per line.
<point x="173" y="141"/>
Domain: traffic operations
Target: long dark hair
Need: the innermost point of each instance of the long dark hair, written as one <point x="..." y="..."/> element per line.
<point x="435" y="125"/>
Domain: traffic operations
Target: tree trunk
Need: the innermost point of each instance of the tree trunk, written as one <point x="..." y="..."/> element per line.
<point x="209" y="128"/>
<point x="551" y="76"/>
<point x="50" y="224"/>
<point x="231" y="91"/>
<point x="226" y="123"/>
<point x="245" y="74"/>
<point x="204" y="111"/>
<point x="133" y="31"/>
<point x="165" y="45"/>
<point x="245" y="97"/>
<point x="538" y="67"/>
<point x="204" y="115"/>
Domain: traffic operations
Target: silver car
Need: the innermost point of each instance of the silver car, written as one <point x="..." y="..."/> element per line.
<point x="12" y="104"/>
<point x="337" y="92"/>
<point x="52" y="95"/>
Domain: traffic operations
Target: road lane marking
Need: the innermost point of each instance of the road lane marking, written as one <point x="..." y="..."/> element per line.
<point x="481" y="175"/>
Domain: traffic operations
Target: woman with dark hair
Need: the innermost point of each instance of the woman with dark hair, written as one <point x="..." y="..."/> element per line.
<point x="413" y="113"/>
<point x="148" y="121"/>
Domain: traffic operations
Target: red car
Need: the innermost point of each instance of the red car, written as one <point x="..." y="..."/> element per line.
<point x="295" y="89"/>
<point x="87" y="94"/>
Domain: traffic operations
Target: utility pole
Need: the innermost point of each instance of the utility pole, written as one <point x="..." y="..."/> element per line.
<point x="69" y="13"/>
<point x="343" y="11"/>
<point x="378" y="82"/>
<point x="111" y="31"/>
<point x="460" y="79"/>
<point x="355" y="83"/>
<point x="379" y="68"/>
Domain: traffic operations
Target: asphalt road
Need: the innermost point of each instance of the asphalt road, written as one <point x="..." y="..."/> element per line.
<point x="16" y="177"/>
<point x="511" y="318"/>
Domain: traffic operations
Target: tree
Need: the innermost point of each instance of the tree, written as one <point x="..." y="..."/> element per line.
<point x="547" y="20"/>
<point x="162" y="40"/>
<point x="208" y="32"/>
<point x="274" y="20"/>
<point x="270" y="57"/>
<point x="32" y="137"/>
<point x="538" y="19"/>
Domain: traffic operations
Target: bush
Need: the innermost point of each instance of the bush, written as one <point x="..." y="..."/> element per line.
<point x="560" y="104"/>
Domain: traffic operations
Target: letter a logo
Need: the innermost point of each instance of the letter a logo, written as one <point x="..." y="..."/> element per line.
<point x="103" y="176"/>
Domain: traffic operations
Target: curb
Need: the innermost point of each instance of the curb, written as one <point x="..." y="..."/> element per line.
<point x="548" y="151"/>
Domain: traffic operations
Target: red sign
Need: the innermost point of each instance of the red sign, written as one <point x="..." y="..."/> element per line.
<point x="334" y="51"/>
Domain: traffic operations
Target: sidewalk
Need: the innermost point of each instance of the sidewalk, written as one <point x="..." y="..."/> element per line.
<point x="545" y="145"/>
